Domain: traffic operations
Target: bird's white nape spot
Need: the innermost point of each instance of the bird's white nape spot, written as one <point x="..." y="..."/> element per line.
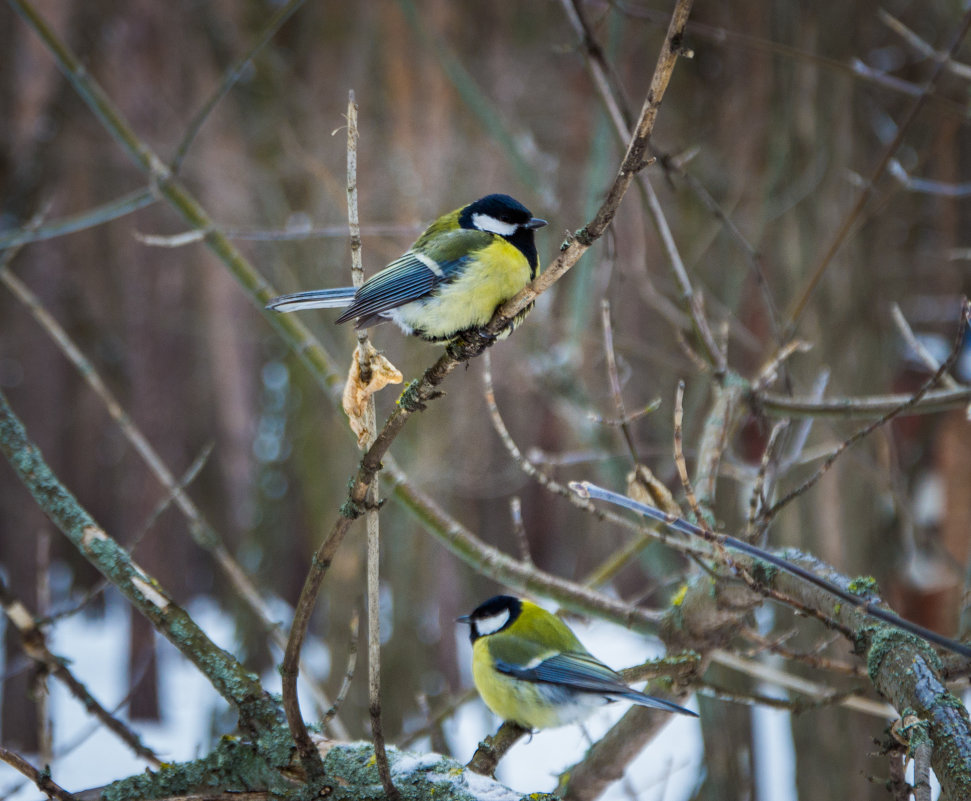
<point x="486" y="222"/>
<point x="430" y="263"/>
<point x="491" y="624"/>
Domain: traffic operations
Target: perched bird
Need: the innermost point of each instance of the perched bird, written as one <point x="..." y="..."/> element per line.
<point x="459" y="271"/>
<point x="531" y="669"/>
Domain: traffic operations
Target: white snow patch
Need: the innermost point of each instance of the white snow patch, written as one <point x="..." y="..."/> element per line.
<point x="486" y="789"/>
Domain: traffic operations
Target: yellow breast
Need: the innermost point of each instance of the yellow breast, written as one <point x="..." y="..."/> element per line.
<point x="499" y="271"/>
<point x="522" y="702"/>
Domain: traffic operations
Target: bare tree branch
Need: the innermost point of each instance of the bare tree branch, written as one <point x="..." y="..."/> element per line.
<point x="849" y="221"/>
<point x="42" y="779"/>
<point x="35" y="646"/>
<point x="230" y="679"/>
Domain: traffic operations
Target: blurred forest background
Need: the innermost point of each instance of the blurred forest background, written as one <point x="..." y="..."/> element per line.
<point x="779" y="117"/>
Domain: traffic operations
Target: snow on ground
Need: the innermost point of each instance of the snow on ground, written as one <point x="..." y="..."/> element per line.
<point x="667" y="770"/>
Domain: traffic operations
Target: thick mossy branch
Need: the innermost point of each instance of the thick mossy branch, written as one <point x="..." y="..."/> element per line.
<point x="236" y="766"/>
<point x="907" y="673"/>
<point x="902" y="666"/>
<point x="416" y="776"/>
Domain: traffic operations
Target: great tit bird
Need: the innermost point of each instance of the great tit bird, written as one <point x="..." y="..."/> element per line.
<point x="532" y="670"/>
<point x="459" y="271"/>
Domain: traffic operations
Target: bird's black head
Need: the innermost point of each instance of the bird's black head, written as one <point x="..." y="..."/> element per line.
<point x="498" y="214"/>
<point x="505" y="217"/>
<point x="494" y="615"/>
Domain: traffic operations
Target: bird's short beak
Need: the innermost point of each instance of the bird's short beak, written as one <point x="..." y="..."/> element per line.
<point x="464" y="619"/>
<point x="536" y="222"/>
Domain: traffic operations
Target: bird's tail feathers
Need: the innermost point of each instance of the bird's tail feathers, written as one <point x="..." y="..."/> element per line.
<point x="313" y="299"/>
<point x="641" y="699"/>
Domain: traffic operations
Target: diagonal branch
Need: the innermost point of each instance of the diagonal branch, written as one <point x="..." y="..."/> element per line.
<point x="851" y="597"/>
<point x="34" y="643"/>
<point x="912" y="401"/>
<point x="201" y="530"/>
<point x="635" y="159"/>
<point x="849" y="223"/>
<point x="42" y="779"/>
<point x="256" y="709"/>
<point x="140" y="198"/>
<point x="165" y="185"/>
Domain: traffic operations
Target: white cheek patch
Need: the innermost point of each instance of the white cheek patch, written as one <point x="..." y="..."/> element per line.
<point x="486" y="222"/>
<point x="491" y="624"/>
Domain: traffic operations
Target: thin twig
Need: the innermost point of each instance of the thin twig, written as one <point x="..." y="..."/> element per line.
<point x="682" y="466"/>
<point x="92" y="218"/>
<point x="918" y="347"/>
<point x="41" y="689"/>
<point x="802" y="300"/>
<point x="34" y="643"/>
<point x="513" y="573"/>
<point x="927" y="186"/>
<point x="42" y="779"/>
<point x="614" y="378"/>
<point x="864" y="604"/>
<point x="371" y="516"/>
<point x="633" y="162"/>
<point x="725" y="36"/>
<point x="230" y="78"/>
<point x="714" y="355"/>
<point x="140" y="198"/>
<point x="199" y="527"/>
<point x="870" y="406"/>
<point x="519" y="528"/>
<point x="866" y="430"/>
<point x="289" y="666"/>
<point x="922" y="47"/>
<point x="348" y="671"/>
<point x="612" y="97"/>
<point x="810" y="658"/>
<point x="294" y="234"/>
<point x="769" y="372"/>
<point x="229" y="678"/>
<point x="796" y="448"/>
<point x="629" y="417"/>
<point x="757" y="499"/>
<point x="715" y="433"/>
